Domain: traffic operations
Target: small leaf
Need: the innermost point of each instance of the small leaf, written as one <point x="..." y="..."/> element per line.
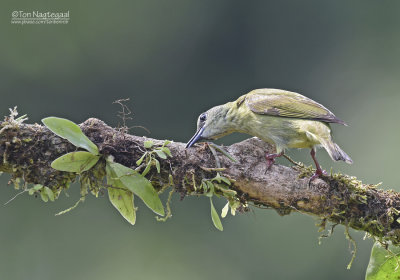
<point x="211" y="189"/>
<point x="166" y="142"/>
<point x="139" y="161"/>
<point x="215" y="217"/>
<point x="224" y="211"/>
<point x="123" y="202"/>
<point x="167" y="151"/>
<point x="225" y="180"/>
<point x="230" y="193"/>
<point x="37" y="187"/>
<point x="225" y="190"/>
<point x="71" y="131"/>
<point x="221" y="187"/>
<point x="383" y="264"/>
<point x="148" y="144"/>
<point x="31" y="191"/>
<point x="147" y="169"/>
<point x="44" y="196"/>
<point x="137" y="184"/>
<point x="49" y="193"/>
<point x="234" y="205"/>
<point x="161" y="154"/>
<point x="77" y="162"/>
<point x="157" y="165"/>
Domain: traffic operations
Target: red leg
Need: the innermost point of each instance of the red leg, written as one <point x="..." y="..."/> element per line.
<point x="319" y="171"/>
<point x="271" y="158"/>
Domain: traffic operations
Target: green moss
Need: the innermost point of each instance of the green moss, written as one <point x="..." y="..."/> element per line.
<point x="349" y="199"/>
<point x="305" y="171"/>
<point x="354" y="199"/>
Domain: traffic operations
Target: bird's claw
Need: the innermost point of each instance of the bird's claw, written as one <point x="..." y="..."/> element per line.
<point x="271" y="159"/>
<point x="270" y="162"/>
<point x="318" y="173"/>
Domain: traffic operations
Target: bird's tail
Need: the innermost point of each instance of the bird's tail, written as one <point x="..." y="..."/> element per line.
<point x="335" y="152"/>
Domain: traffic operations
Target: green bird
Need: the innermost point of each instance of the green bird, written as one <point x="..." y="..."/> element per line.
<point x="283" y="118"/>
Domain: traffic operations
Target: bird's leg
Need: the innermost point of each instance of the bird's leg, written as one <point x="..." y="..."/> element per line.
<point x="319" y="171"/>
<point x="271" y="158"/>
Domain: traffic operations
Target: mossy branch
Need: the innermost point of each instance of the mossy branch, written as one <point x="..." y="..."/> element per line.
<point x="26" y="152"/>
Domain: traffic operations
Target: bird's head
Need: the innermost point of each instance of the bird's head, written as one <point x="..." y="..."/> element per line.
<point x="212" y="124"/>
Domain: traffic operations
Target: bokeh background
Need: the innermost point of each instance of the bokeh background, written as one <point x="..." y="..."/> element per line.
<point x="175" y="59"/>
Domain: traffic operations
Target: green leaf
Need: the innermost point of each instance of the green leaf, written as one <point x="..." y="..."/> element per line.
<point x="383" y="264"/>
<point x="211" y="189"/>
<point x="204" y="186"/>
<point x="49" y="193"/>
<point x="123" y="202"/>
<point x="161" y="154"/>
<point x="71" y="131"/>
<point x="215" y="217"/>
<point x="148" y="144"/>
<point x="166" y="142"/>
<point x="44" y="196"/>
<point x="37" y="187"/>
<point x="234" y="205"/>
<point x="75" y="162"/>
<point x="147" y="169"/>
<point x="225" y="180"/>
<point x="225" y="190"/>
<point x="224" y="211"/>
<point x="137" y="184"/>
<point x="167" y="151"/>
<point x="157" y="165"/>
<point x="220" y="178"/>
<point x="221" y="187"/>
<point x="139" y="161"/>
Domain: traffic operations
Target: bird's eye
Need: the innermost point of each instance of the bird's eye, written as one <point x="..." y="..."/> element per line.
<point x="203" y="117"/>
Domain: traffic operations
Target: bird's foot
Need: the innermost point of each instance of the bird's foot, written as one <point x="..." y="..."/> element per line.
<point x="271" y="159"/>
<point x="319" y="172"/>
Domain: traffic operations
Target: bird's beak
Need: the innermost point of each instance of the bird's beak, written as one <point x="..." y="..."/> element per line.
<point x="196" y="137"/>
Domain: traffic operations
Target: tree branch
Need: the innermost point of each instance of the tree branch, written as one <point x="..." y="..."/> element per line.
<point x="26" y="152"/>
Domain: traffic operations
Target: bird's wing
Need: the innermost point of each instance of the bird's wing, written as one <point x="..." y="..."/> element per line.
<point x="276" y="102"/>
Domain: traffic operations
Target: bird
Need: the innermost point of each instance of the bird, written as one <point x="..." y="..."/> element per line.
<point x="282" y="118"/>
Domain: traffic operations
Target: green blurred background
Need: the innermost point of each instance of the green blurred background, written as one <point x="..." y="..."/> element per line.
<point x="175" y="59"/>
